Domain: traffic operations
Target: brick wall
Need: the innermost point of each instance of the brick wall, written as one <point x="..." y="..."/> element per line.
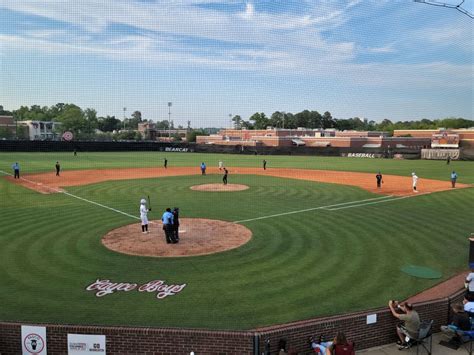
<point x="125" y="340"/>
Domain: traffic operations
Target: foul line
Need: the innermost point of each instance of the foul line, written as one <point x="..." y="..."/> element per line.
<point x="387" y="198"/>
<point x="77" y="197"/>
<point x="373" y="203"/>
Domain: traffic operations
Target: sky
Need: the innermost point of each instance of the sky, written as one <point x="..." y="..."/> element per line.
<point x="374" y="59"/>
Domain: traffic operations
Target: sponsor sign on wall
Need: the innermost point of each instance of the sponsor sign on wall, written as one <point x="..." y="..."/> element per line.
<point x="175" y="149"/>
<point x="440" y="154"/>
<point x="445" y="140"/>
<point x="362" y="155"/>
<point x="33" y="340"/>
<point x="85" y="344"/>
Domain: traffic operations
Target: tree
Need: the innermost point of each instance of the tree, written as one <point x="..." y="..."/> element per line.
<point x="237" y="122"/>
<point x="191" y="135"/>
<point x="90" y="116"/>
<point x="162" y="124"/>
<point x="327" y="120"/>
<point x="6" y="133"/>
<point x="72" y="119"/>
<point x="108" y="124"/>
<point x="137" y="115"/>
<point x="260" y="120"/>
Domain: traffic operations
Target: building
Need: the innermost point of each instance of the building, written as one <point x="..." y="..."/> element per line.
<point x="442" y="138"/>
<point x="7" y="126"/>
<point x="276" y="137"/>
<point x="42" y="130"/>
<point x="149" y="131"/>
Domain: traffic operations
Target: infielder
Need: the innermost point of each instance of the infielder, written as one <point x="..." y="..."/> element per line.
<point x="379" y="179"/>
<point x="415" y="181"/>
<point x="143" y="215"/>
<point x="221" y="164"/>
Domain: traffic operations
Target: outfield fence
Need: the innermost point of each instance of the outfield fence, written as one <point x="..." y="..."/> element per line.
<point x="183" y="147"/>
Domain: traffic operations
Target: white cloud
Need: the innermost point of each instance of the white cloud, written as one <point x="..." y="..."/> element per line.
<point x="180" y="33"/>
<point x="385" y="49"/>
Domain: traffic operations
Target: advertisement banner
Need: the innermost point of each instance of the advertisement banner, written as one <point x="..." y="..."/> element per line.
<point x="33" y="340"/>
<point x="445" y="140"/>
<point x="85" y="344"/>
<point x="440" y="154"/>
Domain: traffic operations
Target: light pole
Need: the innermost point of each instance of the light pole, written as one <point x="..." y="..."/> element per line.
<point x="230" y="120"/>
<point x="169" y="120"/>
<point x="124" y="110"/>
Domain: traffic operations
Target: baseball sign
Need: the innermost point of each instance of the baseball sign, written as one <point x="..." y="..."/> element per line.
<point x="68" y="136"/>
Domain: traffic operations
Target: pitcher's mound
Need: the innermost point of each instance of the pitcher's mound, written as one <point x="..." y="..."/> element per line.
<point x="219" y="187"/>
<point x="198" y="236"/>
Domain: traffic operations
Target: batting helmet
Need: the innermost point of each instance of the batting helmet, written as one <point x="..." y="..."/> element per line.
<point x="142" y="201"/>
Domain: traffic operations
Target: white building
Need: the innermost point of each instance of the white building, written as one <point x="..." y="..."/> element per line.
<point x="42" y="130"/>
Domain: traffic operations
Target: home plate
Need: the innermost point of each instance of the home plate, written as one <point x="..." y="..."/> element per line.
<point x="182" y="231"/>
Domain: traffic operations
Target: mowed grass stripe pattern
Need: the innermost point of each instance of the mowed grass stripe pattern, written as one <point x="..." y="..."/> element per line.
<point x="299" y="266"/>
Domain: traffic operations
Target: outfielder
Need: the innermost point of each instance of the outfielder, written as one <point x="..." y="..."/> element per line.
<point x="143" y="215"/>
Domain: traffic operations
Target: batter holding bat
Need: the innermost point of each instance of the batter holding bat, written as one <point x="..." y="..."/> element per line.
<point x="144" y="215"/>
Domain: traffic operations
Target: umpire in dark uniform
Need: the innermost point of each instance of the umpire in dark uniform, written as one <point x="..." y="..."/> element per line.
<point x="175" y="225"/>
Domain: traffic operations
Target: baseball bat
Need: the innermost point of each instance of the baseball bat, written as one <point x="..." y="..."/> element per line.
<point x="149" y="202"/>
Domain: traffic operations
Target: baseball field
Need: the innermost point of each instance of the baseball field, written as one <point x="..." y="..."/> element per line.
<point x="324" y="240"/>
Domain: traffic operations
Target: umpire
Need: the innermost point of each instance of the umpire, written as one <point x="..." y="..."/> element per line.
<point x="167" y="220"/>
<point x="175" y="225"/>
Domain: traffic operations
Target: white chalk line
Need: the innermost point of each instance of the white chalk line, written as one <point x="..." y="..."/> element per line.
<point x="335" y="207"/>
<point x="376" y="202"/>
<point x="74" y="196"/>
<point x="312" y="209"/>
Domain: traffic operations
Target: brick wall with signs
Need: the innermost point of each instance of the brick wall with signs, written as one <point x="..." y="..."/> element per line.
<point x="126" y="340"/>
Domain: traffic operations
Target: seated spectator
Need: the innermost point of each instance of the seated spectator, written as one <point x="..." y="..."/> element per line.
<point x="319" y="346"/>
<point x="411" y="322"/>
<point x="282" y="347"/>
<point x="469" y="283"/>
<point x="468" y="306"/>
<point x="340" y="346"/>
<point x="459" y="321"/>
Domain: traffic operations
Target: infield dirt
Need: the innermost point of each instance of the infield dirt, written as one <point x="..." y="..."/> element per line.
<point x="393" y="185"/>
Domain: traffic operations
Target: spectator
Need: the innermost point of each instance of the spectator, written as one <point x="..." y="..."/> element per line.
<point x="282" y="347"/>
<point x="319" y="346"/>
<point x="468" y="306"/>
<point x="411" y="322"/>
<point x="459" y="321"/>
<point x="340" y="346"/>
<point x="470" y="283"/>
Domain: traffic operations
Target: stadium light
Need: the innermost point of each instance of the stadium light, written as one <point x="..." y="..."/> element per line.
<point x="169" y="120"/>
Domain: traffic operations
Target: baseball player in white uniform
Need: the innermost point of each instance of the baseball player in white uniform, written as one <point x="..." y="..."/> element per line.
<point x="415" y="181"/>
<point x="143" y="215"/>
<point x="221" y="164"/>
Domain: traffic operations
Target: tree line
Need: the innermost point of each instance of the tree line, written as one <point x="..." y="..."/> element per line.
<point x="315" y="120"/>
<point x="86" y="124"/>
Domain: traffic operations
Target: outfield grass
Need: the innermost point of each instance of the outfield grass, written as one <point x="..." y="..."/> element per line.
<point x="295" y="267"/>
